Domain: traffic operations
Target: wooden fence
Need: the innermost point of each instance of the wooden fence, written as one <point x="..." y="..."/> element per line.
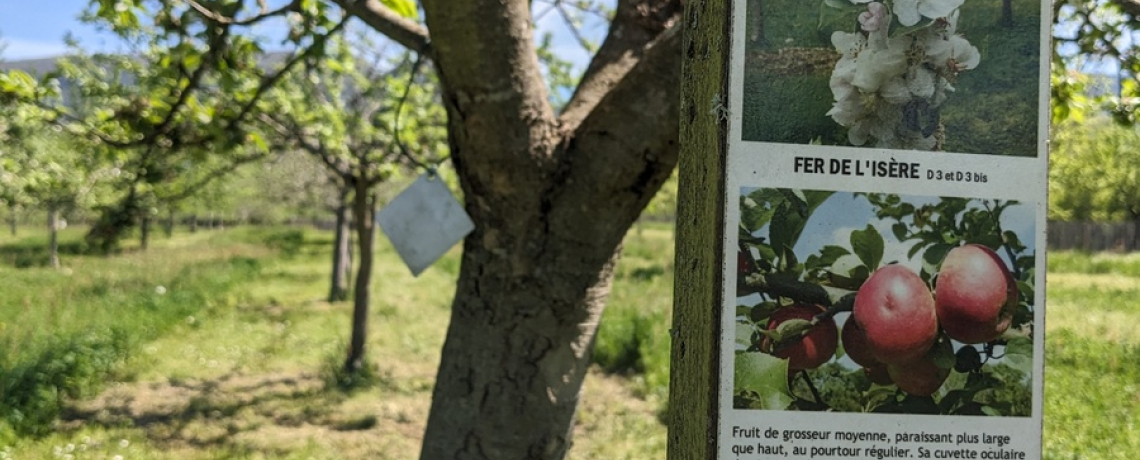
<point x="1093" y="236"/>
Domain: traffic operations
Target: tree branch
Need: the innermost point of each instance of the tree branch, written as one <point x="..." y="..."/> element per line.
<point x="269" y="81"/>
<point x="498" y="105"/>
<point x="289" y="130"/>
<point x="264" y="14"/>
<point x="635" y="26"/>
<point x="623" y="151"/>
<point x="402" y="30"/>
<point x="213" y="175"/>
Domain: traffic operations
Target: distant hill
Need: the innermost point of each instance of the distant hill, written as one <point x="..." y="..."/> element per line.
<point x="32" y="66"/>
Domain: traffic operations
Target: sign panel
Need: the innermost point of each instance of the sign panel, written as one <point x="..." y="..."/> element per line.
<point x="884" y="235"/>
<point x="424" y="221"/>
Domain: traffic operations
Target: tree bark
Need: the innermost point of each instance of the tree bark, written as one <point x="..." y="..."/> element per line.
<point x="364" y="214"/>
<point x="144" y="231"/>
<point x="13" y="223"/>
<point x="193" y="223"/>
<point x="53" y="239"/>
<point x="552" y="197"/>
<point x="342" y="249"/>
<point x="168" y="225"/>
<point x="1006" y="13"/>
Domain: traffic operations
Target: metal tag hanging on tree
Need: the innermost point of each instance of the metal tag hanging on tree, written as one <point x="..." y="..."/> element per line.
<point x="424" y="221"/>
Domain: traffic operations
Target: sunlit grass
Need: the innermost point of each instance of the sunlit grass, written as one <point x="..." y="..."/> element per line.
<point x="241" y="375"/>
<point x="1092" y="375"/>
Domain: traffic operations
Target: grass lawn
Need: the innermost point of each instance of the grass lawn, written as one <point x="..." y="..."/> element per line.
<point x="219" y="344"/>
<point x="1092" y="373"/>
<point x="239" y="364"/>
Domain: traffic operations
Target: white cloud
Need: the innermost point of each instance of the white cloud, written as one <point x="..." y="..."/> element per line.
<point x="17" y="48"/>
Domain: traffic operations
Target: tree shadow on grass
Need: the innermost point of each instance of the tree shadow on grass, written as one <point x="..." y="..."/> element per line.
<point x="34" y="252"/>
<point x="224" y="413"/>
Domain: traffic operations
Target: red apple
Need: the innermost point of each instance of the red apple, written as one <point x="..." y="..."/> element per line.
<point x="975" y="294"/>
<point x="896" y="311"/>
<point x="743" y="263"/>
<point x="878" y="374"/>
<point x="811" y="350"/>
<point x="923" y="376"/>
<point x="855" y="344"/>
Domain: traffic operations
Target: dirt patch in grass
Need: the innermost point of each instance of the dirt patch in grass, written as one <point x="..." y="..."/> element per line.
<point x="284" y="414"/>
<point x="277" y="414"/>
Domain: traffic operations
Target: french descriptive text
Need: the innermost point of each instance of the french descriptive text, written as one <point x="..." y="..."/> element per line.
<point x="754" y="442"/>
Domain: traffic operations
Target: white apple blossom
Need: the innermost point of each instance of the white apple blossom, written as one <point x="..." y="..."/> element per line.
<point x="910" y="12"/>
<point x="875" y="18"/>
<point x="888" y="90"/>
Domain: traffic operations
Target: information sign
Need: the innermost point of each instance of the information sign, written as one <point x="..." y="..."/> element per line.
<point x="882" y="231"/>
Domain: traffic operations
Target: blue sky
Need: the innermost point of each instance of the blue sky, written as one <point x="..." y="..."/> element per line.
<point x="36" y="29"/>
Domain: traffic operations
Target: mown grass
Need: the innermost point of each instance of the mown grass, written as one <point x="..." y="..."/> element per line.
<point x="251" y="372"/>
<point x="1092" y="373"/>
<point x="234" y="359"/>
<point x="65" y="331"/>
<point x="633" y="338"/>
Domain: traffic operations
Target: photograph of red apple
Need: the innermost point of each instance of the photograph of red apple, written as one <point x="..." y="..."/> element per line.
<point x="883" y="303"/>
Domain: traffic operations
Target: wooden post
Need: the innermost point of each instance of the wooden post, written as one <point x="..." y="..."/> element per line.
<point x="700" y="217"/>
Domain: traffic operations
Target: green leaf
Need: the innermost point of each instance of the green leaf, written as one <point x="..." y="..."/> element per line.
<point x="405" y="8"/>
<point x="764" y="374"/>
<point x="932" y="258"/>
<point x="848" y="272"/>
<point x="1013" y="241"/>
<point x="842" y="5"/>
<point x="990" y="411"/>
<point x="1019" y="354"/>
<point x="783" y="229"/>
<point x="868" y="245"/>
<point x="743" y="335"/>
<point x="900" y="230"/>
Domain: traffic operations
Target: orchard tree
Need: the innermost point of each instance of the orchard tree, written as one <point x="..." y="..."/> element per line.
<point x="1093" y="172"/>
<point x="362" y="117"/>
<point x="53" y="172"/>
<point x="40" y="167"/>
<point x="551" y="191"/>
<point x="310" y="189"/>
<point x="1099" y="32"/>
<point x="185" y="92"/>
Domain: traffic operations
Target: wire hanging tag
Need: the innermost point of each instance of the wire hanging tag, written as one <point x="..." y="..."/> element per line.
<point x="424" y="221"/>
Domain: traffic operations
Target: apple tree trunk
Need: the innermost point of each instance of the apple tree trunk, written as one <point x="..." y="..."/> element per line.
<point x="144" y="231"/>
<point x="53" y="239"/>
<point x="364" y="217"/>
<point x="342" y="249"/>
<point x="168" y="223"/>
<point x="551" y="195"/>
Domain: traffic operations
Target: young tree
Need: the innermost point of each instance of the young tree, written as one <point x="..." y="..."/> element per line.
<point x="309" y="189"/>
<point x="43" y="168"/>
<point x="1093" y="171"/>
<point x="351" y="111"/>
<point x="53" y="173"/>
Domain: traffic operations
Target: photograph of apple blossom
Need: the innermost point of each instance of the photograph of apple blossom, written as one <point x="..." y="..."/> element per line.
<point x="933" y="75"/>
<point x="856" y="302"/>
